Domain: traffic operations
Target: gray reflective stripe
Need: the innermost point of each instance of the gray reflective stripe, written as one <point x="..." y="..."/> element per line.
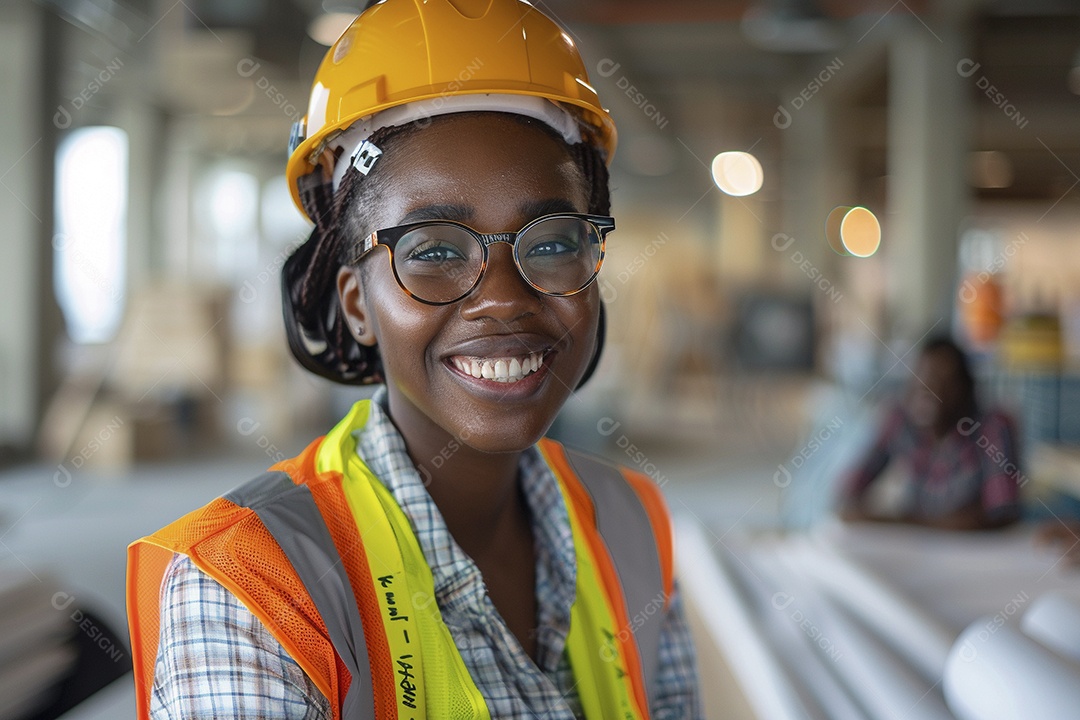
<point x="289" y="513"/>
<point x="260" y="490"/>
<point x="627" y="531"/>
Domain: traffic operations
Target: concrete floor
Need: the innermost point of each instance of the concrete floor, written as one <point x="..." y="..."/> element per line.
<point x="76" y="536"/>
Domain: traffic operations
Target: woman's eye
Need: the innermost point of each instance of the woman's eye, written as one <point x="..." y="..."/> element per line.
<point x="436" y="252"/>
<point x="552" y="245"/>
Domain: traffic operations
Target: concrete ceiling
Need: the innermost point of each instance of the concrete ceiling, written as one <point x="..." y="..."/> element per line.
<point x="684" y="78"/>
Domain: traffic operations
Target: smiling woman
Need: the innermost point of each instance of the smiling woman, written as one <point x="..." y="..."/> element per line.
<point x="460" y="167"/>
<point x="433" y="555"/>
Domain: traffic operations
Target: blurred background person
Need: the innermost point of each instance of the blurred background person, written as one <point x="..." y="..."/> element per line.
<point x="937" y="459"/>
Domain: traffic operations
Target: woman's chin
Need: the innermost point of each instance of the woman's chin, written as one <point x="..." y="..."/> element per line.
<point x="497" y="441"/>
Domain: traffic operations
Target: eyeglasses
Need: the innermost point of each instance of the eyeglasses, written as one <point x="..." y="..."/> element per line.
<point x="440" y="261"/>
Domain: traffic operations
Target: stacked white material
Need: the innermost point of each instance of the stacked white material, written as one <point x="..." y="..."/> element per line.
<point x="915" y="634"/>
<point x="1054" y="620"/>
<point x="796" y="651"/>
<point x="891" y="654"/>
<point x="996" y="672"/>
<point x="811" y="631"/>
<point x="733" y="628"/>
<point x="808" y="652"/>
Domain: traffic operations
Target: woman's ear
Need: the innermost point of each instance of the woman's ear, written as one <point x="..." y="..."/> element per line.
<point x="354" y="307"/>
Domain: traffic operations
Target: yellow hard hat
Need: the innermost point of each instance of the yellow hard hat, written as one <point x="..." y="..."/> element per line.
<point x="411" y="51"/>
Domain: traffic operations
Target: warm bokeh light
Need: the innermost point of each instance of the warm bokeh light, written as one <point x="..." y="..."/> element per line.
<point x="737" y="173"/>
<point x="832" y="229"/>
<point x="327" y="28"/>
<point x="860" y="232"/>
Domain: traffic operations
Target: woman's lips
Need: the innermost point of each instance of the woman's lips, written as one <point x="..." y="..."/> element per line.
<point x="521" y="381"/>
<point x="502" y="366"/>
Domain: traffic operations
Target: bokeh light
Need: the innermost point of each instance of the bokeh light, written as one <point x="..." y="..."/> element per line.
<point x="860" y="232"/>
<point x="737" y="173"/>
<point x="328" y="27"/>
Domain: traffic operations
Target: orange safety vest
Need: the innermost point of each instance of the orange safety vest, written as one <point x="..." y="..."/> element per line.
<point x="288" y="547"/>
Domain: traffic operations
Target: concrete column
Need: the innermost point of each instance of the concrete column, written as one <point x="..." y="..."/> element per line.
<point x="928" y="117"/>
<point x="142" y="123"/>
<point x="175" y="250"/>
<point x="30" y="38"/>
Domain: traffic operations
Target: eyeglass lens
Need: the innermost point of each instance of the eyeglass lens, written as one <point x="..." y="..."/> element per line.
<point x="442" y="262"/>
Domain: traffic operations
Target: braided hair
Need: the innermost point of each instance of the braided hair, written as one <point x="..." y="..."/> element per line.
<point x="315" y="326"/>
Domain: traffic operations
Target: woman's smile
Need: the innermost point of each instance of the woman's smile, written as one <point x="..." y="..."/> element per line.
<point x="510" y="369"/>
<point x="513" y="364"/>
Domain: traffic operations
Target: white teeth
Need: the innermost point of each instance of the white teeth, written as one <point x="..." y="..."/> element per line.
<point x="508" y="369"/>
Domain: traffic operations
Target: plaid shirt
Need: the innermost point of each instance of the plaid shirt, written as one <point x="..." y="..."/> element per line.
<point x="215" y="659"/>
<point x="976" y="461"/>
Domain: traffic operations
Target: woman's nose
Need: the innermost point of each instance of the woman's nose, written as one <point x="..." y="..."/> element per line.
<point x="502" y="294"/>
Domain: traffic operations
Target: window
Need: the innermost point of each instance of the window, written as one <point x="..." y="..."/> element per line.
<point x="91" y="222"/>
